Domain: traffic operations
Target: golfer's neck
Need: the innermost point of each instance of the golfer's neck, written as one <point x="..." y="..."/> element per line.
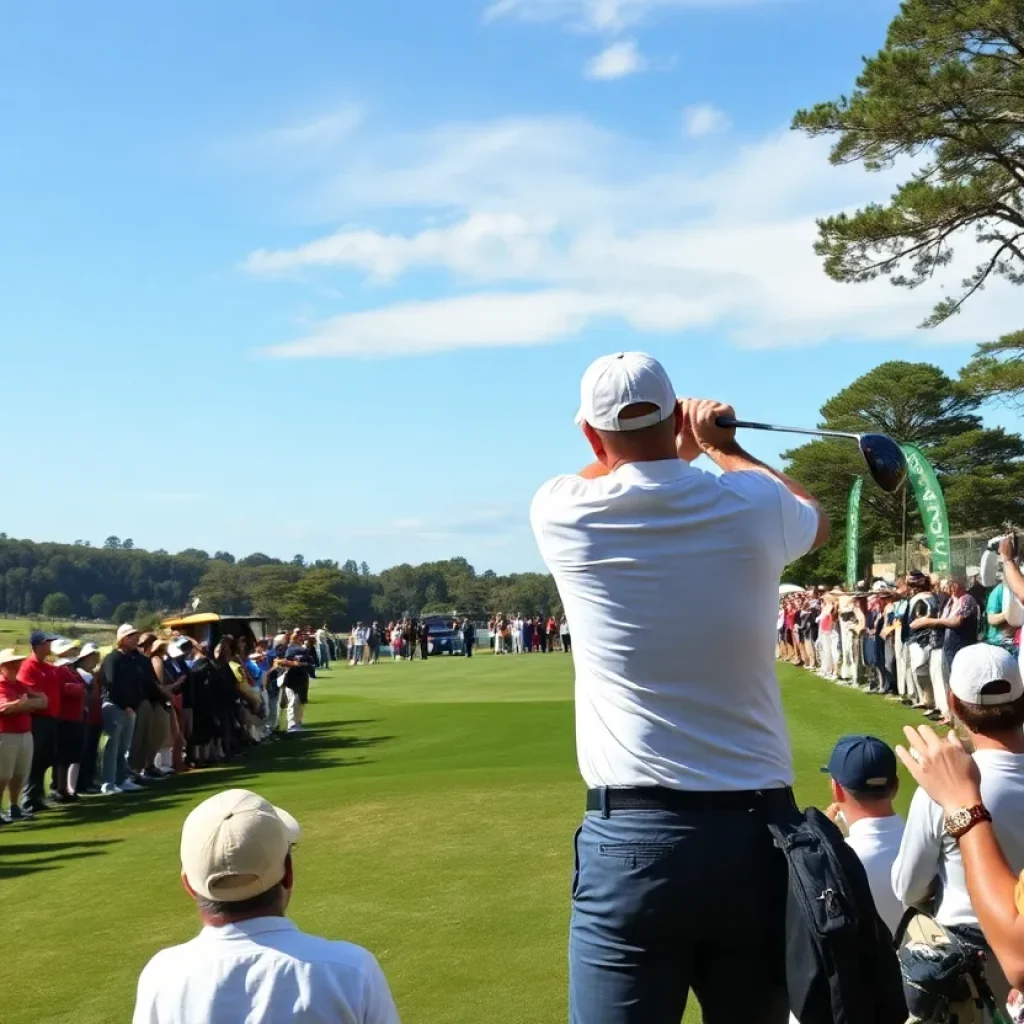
<point x="659" y="455"/>
<point x="1011" y="741"/>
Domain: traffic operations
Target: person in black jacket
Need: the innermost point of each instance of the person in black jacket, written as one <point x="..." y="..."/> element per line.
<point x="125" y="676"/>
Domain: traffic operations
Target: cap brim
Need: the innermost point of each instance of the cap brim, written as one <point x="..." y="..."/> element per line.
<point x="290" y="824"/>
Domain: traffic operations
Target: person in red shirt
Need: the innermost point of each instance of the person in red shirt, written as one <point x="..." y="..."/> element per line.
<point x="70" y="721"/>
<point x="38" y="674"/>
<point x="17" y="702"/>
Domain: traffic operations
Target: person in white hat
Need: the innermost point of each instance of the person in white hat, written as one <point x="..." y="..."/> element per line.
<point x="670" y="576"/>
<point x="70" y="722"/>
<point x="126" y="674"/>
<point x="946" y="771"/>
<point x="17" y="702"/>
<point x="87" y="661"/>
<point x="250" y="963"/>
<point x="986" y="695"/>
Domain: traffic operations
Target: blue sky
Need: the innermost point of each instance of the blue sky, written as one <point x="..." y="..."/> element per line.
<point x="322" y="277"/>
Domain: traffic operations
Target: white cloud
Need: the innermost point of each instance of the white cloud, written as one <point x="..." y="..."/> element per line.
<point x="617" y="61"/>
<point x="319" y="133"/>
<point x="298" y="145"/>
<point x="481" y="244"/>
<point x="533" y="230"/>
<point x="595" y="15"/>
<point x="704" y="119"/>
<point x="484" y="320"/>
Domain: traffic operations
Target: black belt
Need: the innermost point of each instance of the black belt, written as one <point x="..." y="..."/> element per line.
<point x="660" y="798"/>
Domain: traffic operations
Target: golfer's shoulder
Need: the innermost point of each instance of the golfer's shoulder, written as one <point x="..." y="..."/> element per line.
<point x="563" y="493"/>
<point x="755" y="488"/>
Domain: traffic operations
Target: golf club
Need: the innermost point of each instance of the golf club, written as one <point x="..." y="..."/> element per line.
<point x="885" y="459"/>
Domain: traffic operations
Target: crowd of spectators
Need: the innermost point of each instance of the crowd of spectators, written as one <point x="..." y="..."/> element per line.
<point x="949" y="648"/>
<point x="894" y="639"/>
<point x="519" y="634"/>
<point x="154" y="706"/>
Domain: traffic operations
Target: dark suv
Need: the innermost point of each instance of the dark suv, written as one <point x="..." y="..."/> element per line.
<point x="443" y="639"/>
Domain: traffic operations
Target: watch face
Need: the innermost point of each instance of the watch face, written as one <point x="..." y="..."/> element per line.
<point x="959" y="820"/>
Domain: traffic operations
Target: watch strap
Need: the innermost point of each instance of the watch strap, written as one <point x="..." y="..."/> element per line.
<point x="961" y="821"/>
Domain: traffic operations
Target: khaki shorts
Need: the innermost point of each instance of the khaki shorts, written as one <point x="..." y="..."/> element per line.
<point x="15" y="754"/>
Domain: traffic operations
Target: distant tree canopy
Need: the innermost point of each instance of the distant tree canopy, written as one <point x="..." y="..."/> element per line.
<point x="132" y="585"/>
<point x="947" y="93"/>
<point x="57" y="606"/>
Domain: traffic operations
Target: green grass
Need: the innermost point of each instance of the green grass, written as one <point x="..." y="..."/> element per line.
<point x="438" y="803"/>
<point x="15" y="632"/>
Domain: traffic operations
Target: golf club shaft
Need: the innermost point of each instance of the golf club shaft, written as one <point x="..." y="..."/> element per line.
<point x="728" y="421"/>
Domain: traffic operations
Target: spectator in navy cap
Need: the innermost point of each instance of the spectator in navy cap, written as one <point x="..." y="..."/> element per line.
<point x="39" y="675"/>
<point x="864" y="783"/>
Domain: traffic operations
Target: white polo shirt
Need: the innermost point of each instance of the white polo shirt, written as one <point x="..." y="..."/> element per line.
<point x="263" y="971"/>
<point x="876" y="841"/>
<point x="669" y="577"/>
<point x="928" y="854"/>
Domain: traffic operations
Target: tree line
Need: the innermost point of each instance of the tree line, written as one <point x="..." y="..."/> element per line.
<point x="121" y="582"/>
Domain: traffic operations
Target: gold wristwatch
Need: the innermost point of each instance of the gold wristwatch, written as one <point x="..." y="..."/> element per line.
<point x="963" y="819"/>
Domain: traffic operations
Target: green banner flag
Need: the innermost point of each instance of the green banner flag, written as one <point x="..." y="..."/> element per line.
<point x="853" y="534"/>
<point x="932" y="505"/>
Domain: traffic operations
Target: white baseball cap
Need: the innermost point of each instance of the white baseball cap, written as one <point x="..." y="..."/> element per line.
<point x="126" y="629"/>
<point x="234" y="845"/>
<point x="63" y="645"/>
<point x="87" y="649"/>
<point x="179" y="646"/>
<point x="986" y="675"/>
<point x="612" y="383"/>
<point x="9" y="654"/>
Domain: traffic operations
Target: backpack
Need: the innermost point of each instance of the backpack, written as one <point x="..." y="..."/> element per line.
<point x="944" y="971"/>
<point x="841" y="964"/>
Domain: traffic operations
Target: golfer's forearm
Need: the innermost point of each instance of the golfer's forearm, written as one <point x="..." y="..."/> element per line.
<point x="1013" y="579"/>
<point x="735" y="460"/>
<point x="992" y="887"/>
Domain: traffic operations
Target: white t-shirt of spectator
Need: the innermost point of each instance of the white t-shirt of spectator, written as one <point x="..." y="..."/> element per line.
<point x="928" y="853"/>
<point x="263" y="970"/>
<point x="670" y="578"/>
<point x="876" y="841"/>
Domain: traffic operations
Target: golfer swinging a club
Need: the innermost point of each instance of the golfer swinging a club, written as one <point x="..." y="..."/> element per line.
<point x="669" y="578"/>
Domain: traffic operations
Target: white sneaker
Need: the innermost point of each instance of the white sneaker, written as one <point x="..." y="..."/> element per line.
<point x="107" y="789"/>
<point x="130" y="787"/>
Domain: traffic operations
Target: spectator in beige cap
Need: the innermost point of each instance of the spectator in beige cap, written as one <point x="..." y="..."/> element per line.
<point x="250" y="962"/>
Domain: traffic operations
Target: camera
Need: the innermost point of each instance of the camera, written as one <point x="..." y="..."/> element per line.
<point x="993" y="544"/>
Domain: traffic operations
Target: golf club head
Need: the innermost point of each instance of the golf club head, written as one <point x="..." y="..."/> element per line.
<point x="886" y="462"/>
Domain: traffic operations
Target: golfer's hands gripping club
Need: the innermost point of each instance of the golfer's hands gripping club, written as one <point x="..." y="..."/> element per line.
<point x="941" y="767"/>
<point x="700" y="431"/>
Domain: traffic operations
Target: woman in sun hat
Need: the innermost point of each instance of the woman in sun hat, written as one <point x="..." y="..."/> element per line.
<point x="71" y="720"/>
<point x="17" y="702"/>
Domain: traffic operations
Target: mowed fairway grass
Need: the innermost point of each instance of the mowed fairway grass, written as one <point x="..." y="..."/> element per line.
<point x="15" y="632"/>
<point x="438" y="803"/>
